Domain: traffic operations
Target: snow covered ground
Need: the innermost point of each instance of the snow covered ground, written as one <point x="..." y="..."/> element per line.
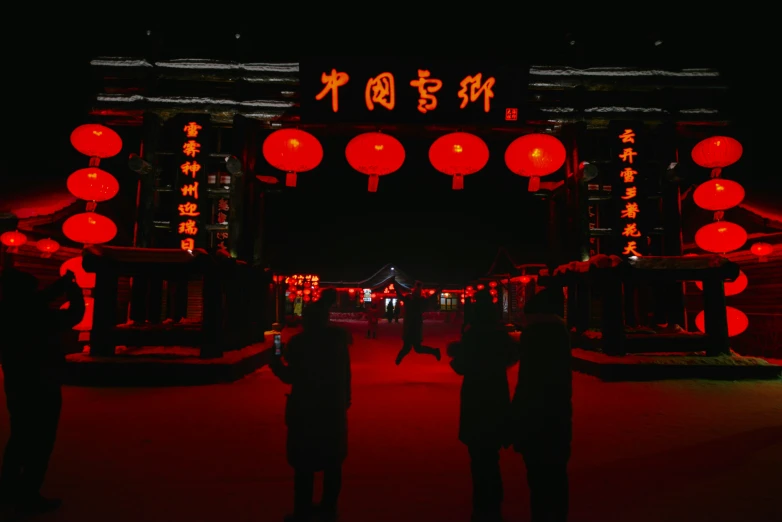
<point x="674" y="451"/>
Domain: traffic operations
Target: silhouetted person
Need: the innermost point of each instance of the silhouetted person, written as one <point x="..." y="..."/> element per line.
<point x="373" y="317"/>
<point x="390" y="311"/>
<point x="482" y="357"/>
<point x="542" y="405"/>
<point x="413" y="325"/>
<point x="317" y="366"/>
<point x="397" y="312"/>
<point x="32" y="361"/>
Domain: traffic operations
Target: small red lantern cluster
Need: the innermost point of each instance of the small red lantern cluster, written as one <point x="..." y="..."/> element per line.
<point x="304" y="287"/>
<point x="717" y="195"/>
<point x="13" y="240"/>
<point x="293" y="151"/>
<point x="93" y="185"/>
<point x="375" y="154"/>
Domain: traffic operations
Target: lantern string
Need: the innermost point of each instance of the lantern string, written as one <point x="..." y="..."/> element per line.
<point x="715" y="172"/>
<point x="91" y="206"/>
<point x="94" y="161"/>
<point x="719" y="215"/>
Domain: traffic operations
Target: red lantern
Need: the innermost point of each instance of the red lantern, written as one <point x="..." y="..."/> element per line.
<point x="13" y="240"/>
<point x="480" y="287"/>
<point x="762" y="250"/>
<point x="737" y="321"/>
<point x="293" y="151"/>
<point x="375" y="154"/>
<point x="83" y="279"/>
<point x="373" y="295"/>
<point x="89" y="228"/>
<point x="351" y="291"/>
<point x="717" y="153"/>
<point x="47" y="246"/>
<point x="721" y="237"/>
<point x="96" y="141"/>
<point x="493" y="284"/>
<point x="291" y="297"/>
<point x="525" y="279"/>
<point x="718" y="194"/>
<point x="458" y="154"/>
<point x="86" y="322"/>
<point x="731" y="287"/>
<point x="93" y="184"/>
<point x="534" y="156"/>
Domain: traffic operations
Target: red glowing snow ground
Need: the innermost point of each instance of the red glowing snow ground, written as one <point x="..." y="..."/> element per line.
<point x="643" y="452"/>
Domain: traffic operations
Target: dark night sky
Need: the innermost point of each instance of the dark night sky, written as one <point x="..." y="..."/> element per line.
<point x="415" y="220"/>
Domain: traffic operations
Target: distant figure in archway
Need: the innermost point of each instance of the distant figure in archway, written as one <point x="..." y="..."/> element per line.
<point x="390" y="311"/>
<point x="373" y="317"/>
<point x="397" y="312"/>
<point x="413" y="325"/>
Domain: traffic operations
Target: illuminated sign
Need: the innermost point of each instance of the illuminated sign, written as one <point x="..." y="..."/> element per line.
<point x="221" y="209"/>
<point x="627" y="195"/>
<point x="594" y="242"/>
<point x="363" y="89"/>
<point x="191" y="170"/>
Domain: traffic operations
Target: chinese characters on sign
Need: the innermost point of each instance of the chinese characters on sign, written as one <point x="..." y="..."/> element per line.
<point x="628" y="194"/>
<point x="221" y="218"/>
<point x="594" y="245"/>
<point x="380" y="90"/>
<point x="188" y="211"/>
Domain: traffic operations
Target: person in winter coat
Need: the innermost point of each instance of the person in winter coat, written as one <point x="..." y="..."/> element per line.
<point x="390" y="311"/>
<point x="542" y="405"/>
<point x="33" y="361"/>
<point x="397" y="312"/>
<point x="483" y="356"/>
<point x="373" y="317"/>
<point x="317" y="366"/>
<point x="413" y="325"/>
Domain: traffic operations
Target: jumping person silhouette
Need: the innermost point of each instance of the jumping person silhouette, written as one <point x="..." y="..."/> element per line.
<point x="413" y="323"/>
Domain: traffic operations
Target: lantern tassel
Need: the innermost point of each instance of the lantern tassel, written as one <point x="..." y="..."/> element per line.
<point x="719" y="215"/>
<point x="534" y="184"/>
<point x="716" y="172"/>
<point x="458" y="182"/>
<point x="374" y="179"/>
<point x="94" y="162"/>
<point x="290" y="179"/>
<point x="91" y="206"/>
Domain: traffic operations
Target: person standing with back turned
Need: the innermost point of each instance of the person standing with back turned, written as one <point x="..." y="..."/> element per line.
<point x="32" y="366"/>
<point x="542" y="405"/>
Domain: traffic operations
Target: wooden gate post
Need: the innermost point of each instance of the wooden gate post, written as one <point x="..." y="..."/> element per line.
<point x="715" y="317"/>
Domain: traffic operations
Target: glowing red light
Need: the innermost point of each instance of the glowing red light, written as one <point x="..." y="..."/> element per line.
<point x="375" y="154"/>
<point x="13" y="239"/>
<point x="762" y="249"/>
<point x="731" y="287"/>
<point x="93" y="184"/>
<point x="47" y="246"/>
<point x="718" y="194"/>
<point x="83" y="279"/>
<point x="534" y="156"/>
<point x="717" y="152"/>
<point x="721" y="237"/>
<point x="737" y="322"/>
<point x="96" y="141"/>
<point x="458" y="154"/>
<point x="89" y="228"/>
<point x="293" y="151"/>
<point x="525" y="279"/>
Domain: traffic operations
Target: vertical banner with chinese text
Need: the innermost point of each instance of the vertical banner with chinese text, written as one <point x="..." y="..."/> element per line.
<point x="192" y="164"/>
<point x="220" y="211"/>
<point x="627" y="189"/>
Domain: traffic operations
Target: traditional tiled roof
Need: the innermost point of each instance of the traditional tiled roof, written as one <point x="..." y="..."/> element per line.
<point x="379" y="279"/>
